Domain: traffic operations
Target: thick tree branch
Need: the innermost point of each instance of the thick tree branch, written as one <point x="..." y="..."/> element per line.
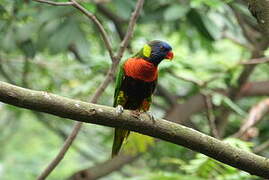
<point x="165" y="130"/>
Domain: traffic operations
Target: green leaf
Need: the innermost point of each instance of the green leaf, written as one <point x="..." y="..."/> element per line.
<point x="175" y="12"/>
<point x="66" y="34"/>
<point x="217" y="99"/>
<point x="2" y="10"/>
<point x="234" y="106"/>
<point x="195" y="18"/>
<point x="28" y="48"/>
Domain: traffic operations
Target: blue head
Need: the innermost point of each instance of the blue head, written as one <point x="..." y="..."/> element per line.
<point x="156" y="51"/>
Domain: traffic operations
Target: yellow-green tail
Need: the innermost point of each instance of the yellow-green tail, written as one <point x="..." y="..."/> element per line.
<point x="119" y="136"/>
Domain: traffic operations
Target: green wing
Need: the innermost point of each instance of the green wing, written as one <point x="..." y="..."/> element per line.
<point x="119" y="79"/>
<point x="119" y="99"/>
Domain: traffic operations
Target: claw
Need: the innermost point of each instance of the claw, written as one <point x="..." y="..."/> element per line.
<point x="150" y="115"/>
<point x="136" y="113"/>
<point x="119" y="110"/>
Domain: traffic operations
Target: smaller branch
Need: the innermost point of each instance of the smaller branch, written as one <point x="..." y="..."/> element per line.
<point x="99" y="26"/>
<point x="109" y="77"/>
<point x="90" y="16"/>
<point x="211" y="116"/>
<point x="264" y="146"/>
<point x="5" y="75"/>
<point x="62" y="152"/>
<point x="68" y="142"/>
<point x="237" y="41"/>
<point x="117" y="20"/>
<point x="62" y="134"/>
<point x="256" y="114"/>
<point x="104" y="168"/>
<point x="169" y="97"/>
<point x="256" y="61"/>
<point x="55" y="3"/>
<point x="130" y="29"/>
<point x="195" y="82"/>
<point x="73" y="49"/>
<point x="199" y="83"/>
<point x="25" y="72"/>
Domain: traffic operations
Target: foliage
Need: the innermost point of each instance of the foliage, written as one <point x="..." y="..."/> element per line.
<point x="57" y="49"/>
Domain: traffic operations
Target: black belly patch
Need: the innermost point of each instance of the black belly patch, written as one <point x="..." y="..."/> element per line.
<point x="136" y="91"/>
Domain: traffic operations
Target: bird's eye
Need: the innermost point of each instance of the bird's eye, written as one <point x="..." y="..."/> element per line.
<point x="161" y="47"/>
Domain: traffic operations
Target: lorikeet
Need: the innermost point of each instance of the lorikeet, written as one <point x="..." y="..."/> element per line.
<point x="136" y="81"/>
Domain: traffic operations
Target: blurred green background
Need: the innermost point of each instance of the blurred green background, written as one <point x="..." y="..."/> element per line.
<point x="57" y="49"/>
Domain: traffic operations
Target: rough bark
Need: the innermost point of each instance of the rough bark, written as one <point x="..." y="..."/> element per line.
<point x="260" y="10"/>
<point x="160" y="128"/>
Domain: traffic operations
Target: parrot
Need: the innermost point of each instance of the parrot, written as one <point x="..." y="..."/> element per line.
<point x="135" y="83"/>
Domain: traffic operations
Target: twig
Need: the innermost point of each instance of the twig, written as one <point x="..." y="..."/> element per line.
<point x="169" y="97"/>
<point x="61" y="133"/>
<point x="55" y="3"/>
<point x="25" y="72"/>
<point x="99" y="26"/>
<point x="256" y="61"/>
<point x="211" y="116"/>
<point x="130" y="29"/>
<point x="62" y="152"/>
<point x="237" y="41"/>
<point x="261" y="147"/>
<point x="117" y="20"/>
<point x="195" y="82"/>
<point x="255" y="116"/>
<point x="72" y="48"/>
<point x="102" y="169"/>
<point x="5" y="74"/>
<point x="108" y="78"/>
<point x="90" y="16"/>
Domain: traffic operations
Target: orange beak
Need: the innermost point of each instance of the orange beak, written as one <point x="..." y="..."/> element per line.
<point x="169" y="55"/>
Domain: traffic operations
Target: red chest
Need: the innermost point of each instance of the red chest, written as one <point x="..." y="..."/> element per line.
<point x="140" y="69"/>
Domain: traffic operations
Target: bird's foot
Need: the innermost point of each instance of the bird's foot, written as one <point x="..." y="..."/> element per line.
<point x="119" y="110"/>
<point x="136" y="113"/>
<point x="151" y="117"/>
